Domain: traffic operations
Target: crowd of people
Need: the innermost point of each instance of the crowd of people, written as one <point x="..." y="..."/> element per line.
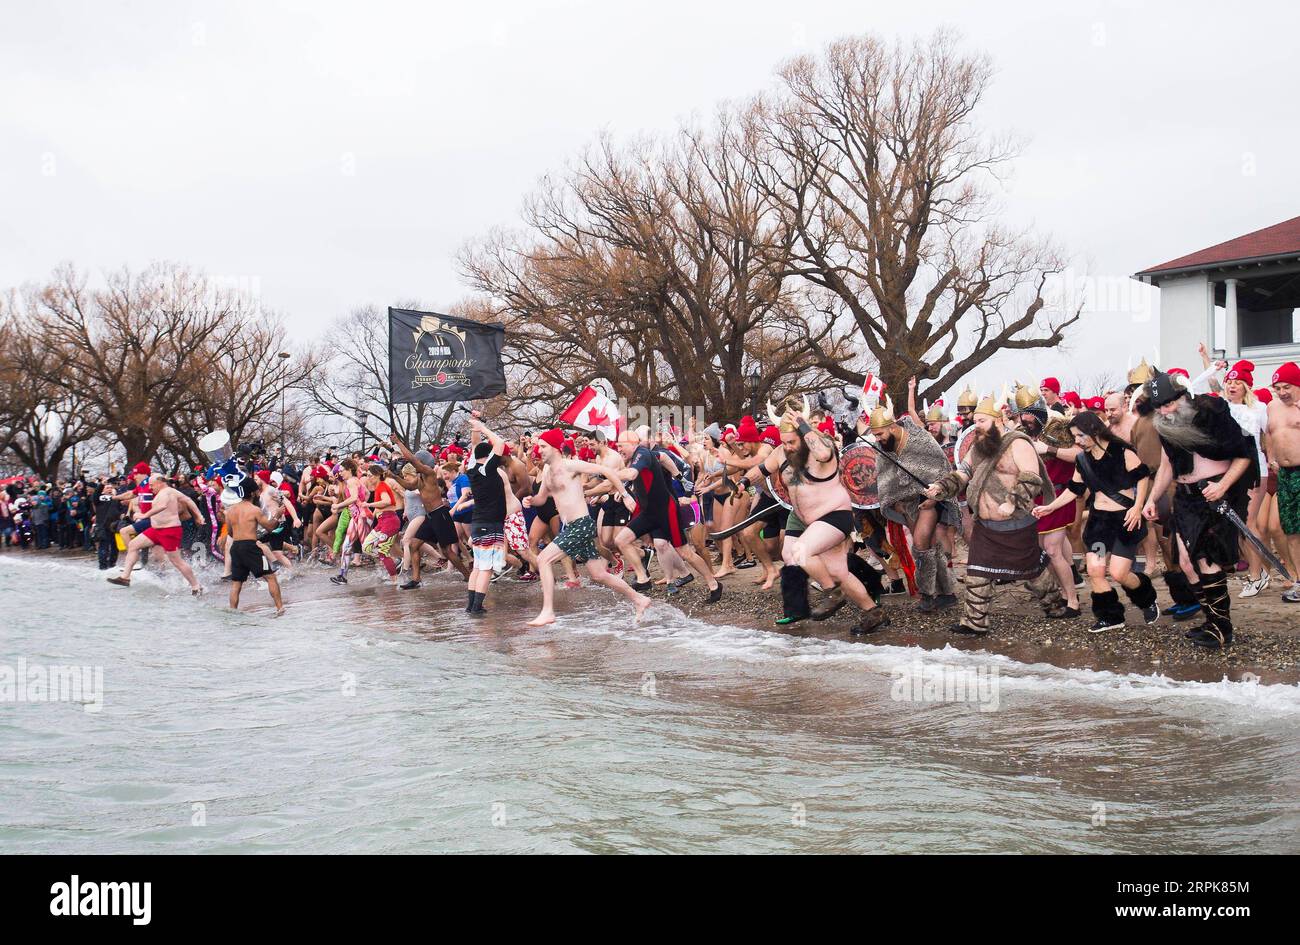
<point x="1190" y="480"/>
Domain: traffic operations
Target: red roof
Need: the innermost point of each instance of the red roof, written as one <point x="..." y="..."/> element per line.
<point x="1281" y="239"/>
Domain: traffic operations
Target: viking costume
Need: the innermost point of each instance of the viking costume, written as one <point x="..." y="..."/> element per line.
<point x="1207" y="535"/>
<point x="1005" y="550"/>
<point x="901" y="496"/>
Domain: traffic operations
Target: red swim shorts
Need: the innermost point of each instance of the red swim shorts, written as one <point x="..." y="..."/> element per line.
<point x="169" y="538"/>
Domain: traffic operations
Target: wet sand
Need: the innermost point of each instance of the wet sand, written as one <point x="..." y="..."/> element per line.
<point x="1266" y="641"/>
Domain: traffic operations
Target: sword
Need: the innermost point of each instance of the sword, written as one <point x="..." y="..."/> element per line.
<point x="1227" y="511"/>
<point x="728" y="532"/>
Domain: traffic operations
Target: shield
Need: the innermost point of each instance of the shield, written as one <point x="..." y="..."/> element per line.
<point x="964" y="443"/>
<point x="777" y="490"/>
<point x="950" y="450"/>
<point x="858" y="475"/>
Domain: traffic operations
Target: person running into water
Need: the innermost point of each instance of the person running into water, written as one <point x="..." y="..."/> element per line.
<point x="487" y="526"/>
<point x="562" y="481"/>
<point x="246" y="557"/>
<point x="821" y="520"/>
<point x="657" y="514"/>
<point x="379" y="542"/>
<point x="437" y="529"/>
<point x="164" y="530"/>
<point x="352" y="525"/>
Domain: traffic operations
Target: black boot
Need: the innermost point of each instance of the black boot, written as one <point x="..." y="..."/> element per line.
<point x="1185" y="604"/>
<point x="1216" y="632"/>
<point x="794" y="595"/>
<point x="1143" y="597"/>
<point x="1108" y="611"/>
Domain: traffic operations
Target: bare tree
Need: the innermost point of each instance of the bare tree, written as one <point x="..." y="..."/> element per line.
<point x="659" y="268"/>
<point x="876" y="161"/>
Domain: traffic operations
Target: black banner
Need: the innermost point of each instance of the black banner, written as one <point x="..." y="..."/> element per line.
<point x="433" y="357"/>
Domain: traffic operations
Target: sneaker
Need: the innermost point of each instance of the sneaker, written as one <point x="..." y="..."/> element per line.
<point x="410" y="585"/>
<point x="642" y="586"/>
<point x="1182" y="612"/>
<point x="747" y="563"/>
<point x="944" y="601"/>
<point x="715" y="595"/>
<point x="1292" y="596"/>
<point x="1101" y="626"/>
<point x="338" y="579"/>
<point x="1251" y="588"/>
<point x="683" y="581"/>
<point x="1065" y="613"/>
<point x="925" y="604"/>
<point x="617" y="567"/>
<point x="528" y="576"/>
<point x="1151" y="613"/>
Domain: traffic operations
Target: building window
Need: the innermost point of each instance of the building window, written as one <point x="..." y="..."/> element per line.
<point x="1263" y="329"/>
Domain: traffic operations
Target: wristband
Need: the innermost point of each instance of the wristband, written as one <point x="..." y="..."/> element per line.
<point x="804" y="429"/>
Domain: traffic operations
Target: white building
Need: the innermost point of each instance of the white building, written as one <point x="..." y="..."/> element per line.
<point x="1248" y="286"/>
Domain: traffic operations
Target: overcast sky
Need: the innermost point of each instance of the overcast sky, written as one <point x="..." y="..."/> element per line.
<point x="330" y="155"/>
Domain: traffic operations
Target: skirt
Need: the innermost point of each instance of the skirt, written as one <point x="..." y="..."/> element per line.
<point x="1005" y="555"/>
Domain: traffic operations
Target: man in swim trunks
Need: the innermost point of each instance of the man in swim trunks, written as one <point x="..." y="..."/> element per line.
<point x="1284" y="458"/>
<point x="246" y="556"/>
<point x="164" y="530"/>
<point x="822" y="517"/>
<point x="657" y="514"/>
<point x="562" y="481"/>
<point x="437" y="529"/>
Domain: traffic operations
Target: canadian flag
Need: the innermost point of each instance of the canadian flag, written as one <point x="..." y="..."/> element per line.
<point x="872" y="388"/>
<point x="592" y="410"/>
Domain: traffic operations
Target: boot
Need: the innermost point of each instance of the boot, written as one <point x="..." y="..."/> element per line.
<point x="1108" y="611"/>
<point x="1216" y="632"/>
<point x="828" y="603"/>
<point x="1185" y="598"/>
<point x="1143" y="597"/>
<point x="975" y="616"/>
<point x="927" y="565"/>
<point x="794" y="595"/>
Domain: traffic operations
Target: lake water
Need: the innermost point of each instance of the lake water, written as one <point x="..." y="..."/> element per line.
<point x="373" y="720"/>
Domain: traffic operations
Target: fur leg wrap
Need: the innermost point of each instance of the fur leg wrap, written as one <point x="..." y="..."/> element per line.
<point x="1106" y="606"/>
<point x="979" y="597"/>
<point x="794" y="592"/>
<point x="1142" y="596"/>
<point x="1180" y="589"/>
<point x="1046" y="591"/>
<point x="927" y="563"/>
<point x="943" y="573"/>
<point x="868" y="575"/>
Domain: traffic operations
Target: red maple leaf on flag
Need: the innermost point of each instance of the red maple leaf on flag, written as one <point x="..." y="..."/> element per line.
<point x="600" y="419"/>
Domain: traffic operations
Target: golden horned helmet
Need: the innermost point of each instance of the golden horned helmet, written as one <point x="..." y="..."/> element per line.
<point x="1142" y="373"/>
<point x="968" y="398"/>
<point x="783" y="422"/>
<point x="1026" y="397"/>
<point x="990" y="407"/>
<point x="935" y="414"/>
<point x="882" y="416"/>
